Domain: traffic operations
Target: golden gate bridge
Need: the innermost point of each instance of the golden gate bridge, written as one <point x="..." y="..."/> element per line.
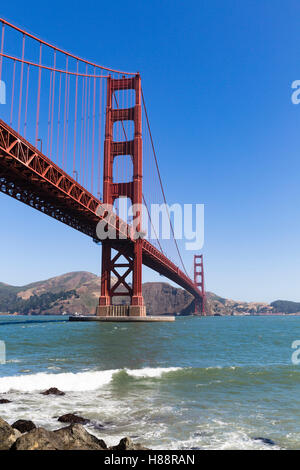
<point x="75" y="137"/>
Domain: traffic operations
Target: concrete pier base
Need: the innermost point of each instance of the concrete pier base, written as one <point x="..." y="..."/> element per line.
<point x="122" y="319"/>
<point x="121" y="311"/>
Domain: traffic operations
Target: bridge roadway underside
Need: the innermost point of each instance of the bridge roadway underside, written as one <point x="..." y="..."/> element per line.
<point x="14" y="183"/>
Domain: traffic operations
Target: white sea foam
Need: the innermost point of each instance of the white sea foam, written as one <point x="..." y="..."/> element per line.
<point x="151" y="372"/>
<point x="82" y="381"/>
<point x="79" y="382"/>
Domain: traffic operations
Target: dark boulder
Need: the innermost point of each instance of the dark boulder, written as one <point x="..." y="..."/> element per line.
<point x="38" y="439"/>
<point x="73" y="419"/>
<point x="127" y="444"/>
<point x="8" y="435"/>
<point x="4" y="400"/>
<point x="24" y="425"/>
<point x="75" y="437"/>
<point x="53" y="391"/>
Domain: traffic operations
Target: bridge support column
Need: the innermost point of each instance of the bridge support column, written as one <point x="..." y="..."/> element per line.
<point x="137" y="307"/>
<point x="105" y="298"/>
<point x="199" y="307"/>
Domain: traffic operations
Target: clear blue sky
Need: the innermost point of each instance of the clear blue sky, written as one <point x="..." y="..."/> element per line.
<point x="217" y="77"/>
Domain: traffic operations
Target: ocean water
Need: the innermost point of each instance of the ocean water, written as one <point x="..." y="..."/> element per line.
<point x="207" y="383"/>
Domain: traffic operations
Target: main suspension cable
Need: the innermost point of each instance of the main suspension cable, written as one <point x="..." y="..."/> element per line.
<point x="161" y="185"/>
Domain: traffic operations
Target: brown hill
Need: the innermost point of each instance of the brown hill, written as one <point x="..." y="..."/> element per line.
<point x="79" y="292"/>
<point x="221" y="306"/>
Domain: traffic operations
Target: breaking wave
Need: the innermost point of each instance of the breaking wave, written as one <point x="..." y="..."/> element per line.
<point x="93" y="380"/>
<point x="77" y="382"/>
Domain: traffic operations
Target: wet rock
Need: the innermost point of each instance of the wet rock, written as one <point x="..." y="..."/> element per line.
<point x="24" y="425"/>
<point x="127" y="444"/>
<point x="53" y="391"/>
<point x="4" y="400"/>
<point x="73" y="419"/>
<point x="38" y="439"/>
<point x="75" y="437"/>
<point x="8" y="435"/>
<point x="265" y="440"/>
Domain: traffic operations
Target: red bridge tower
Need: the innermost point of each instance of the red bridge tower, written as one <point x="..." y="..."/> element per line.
<point x="199" y="282"/>
<point x="112" y="191"/>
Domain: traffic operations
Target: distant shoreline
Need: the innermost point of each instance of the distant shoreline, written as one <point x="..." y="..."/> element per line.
<point x="79" y="292"/>
<point x="214" y="315"/>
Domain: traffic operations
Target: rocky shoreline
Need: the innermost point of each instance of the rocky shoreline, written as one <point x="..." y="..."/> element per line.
<point x="24" y="435"/>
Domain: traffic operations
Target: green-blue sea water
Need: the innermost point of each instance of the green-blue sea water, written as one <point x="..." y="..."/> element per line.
<point x="208" y="383"/>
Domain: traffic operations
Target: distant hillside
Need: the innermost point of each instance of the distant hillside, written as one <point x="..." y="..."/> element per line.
<point x="70" y="292"/>
<point x="79" y="292"/>
<point x="221" y="306"/>
<point x="286" y="306"/>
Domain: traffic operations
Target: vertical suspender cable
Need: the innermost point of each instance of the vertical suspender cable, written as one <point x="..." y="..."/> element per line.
<point x="65" y="111"/>
<point x="58" y="119"/>
<point x="12" y="94"/>
<point x="81" y="129"/>
<point x="49" y="112"/>
<point x="67" y="119"/>
<point x="52" y="108"/>
<point x="75" y="119"/>
<point x="38" y="99"/>
<point x="93" y="132"/>
<point x="99" y="138"/>
<point x="88" y="131"/>
<point x="2" y="47"/>
<point x="161" y="185"/>
<point x="21" y="84"/>
<point x="84" y="124"/>
<point x="26" y="101"/>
